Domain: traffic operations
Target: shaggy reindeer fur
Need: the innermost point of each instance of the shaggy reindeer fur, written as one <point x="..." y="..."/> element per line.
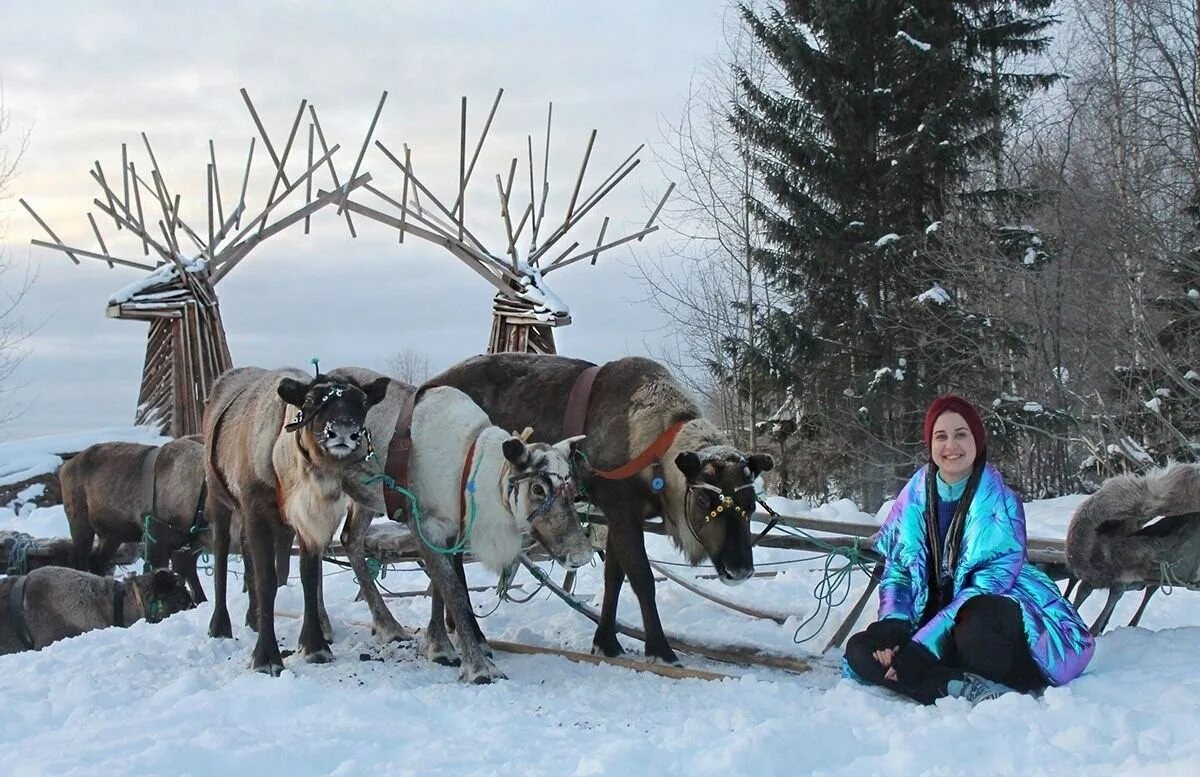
<point x="512" y="483"/>
<point x="106" y="491"/>
<point x="439" y="430"/>
<point x="275" y="477"/>
<point x="59" y="602"/>
<point x="1110" y="541"/>
<point x="633" y="401"/>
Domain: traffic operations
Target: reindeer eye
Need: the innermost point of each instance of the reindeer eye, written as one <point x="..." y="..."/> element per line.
<point x="538" y="490"/>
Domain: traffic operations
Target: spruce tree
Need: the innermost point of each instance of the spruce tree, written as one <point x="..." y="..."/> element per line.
<point x="866" y="149"/>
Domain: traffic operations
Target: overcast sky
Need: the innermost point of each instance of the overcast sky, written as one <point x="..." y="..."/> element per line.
<point x="82" y="78"/>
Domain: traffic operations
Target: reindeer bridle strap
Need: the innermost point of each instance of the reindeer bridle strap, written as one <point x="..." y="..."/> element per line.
<point x="647" y="457"/>
<point x="16" y="612"/>
<point x="119" y="605"/>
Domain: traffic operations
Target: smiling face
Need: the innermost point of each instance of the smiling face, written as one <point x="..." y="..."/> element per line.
<point x="952" y="447"/>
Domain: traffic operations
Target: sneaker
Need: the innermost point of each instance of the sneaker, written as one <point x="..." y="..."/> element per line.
<point x="975" y="689"/>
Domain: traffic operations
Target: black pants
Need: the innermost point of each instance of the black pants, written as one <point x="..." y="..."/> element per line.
<point x="988" y="640"/>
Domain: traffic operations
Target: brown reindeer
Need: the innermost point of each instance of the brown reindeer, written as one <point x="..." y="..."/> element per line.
<point x="648" y="452"/>
<point x="278" y="447"/>
<point x="53" y="603"/>
<point x="109" y="489"/>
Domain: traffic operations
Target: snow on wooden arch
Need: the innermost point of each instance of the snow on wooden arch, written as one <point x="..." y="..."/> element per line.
<point x="186" y="348"/>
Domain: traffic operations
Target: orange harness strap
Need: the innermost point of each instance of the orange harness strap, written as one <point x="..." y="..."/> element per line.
<point x="647" y="457"/>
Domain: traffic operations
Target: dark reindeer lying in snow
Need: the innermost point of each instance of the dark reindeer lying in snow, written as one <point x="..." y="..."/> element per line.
<point x="641" y="428"/>
<point x="109" y="487"/>
<point x="459" y="458"/>
<point x="278" y="445"/>
<point x="53" y="603"/>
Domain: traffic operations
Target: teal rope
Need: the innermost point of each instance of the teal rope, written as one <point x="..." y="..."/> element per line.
<point x="458" y="547"/>
<point x="833" y="589"/>
<point x="1167" y="578"/>
<point x="18" y="555"/>
<point x="147" y="540"/>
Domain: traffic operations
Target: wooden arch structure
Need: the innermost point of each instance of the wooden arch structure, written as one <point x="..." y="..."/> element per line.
<point x="186" y="348"/>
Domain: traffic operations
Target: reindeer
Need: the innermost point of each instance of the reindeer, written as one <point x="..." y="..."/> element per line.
<point x="111" y="489"/>
<point x="53" y="603"/>
<point x="475" y="483"/>
<point x="648" y="452"/>
<point x="278" y="446"/>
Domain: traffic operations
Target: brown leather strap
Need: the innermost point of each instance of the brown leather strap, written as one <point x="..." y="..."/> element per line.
<point x="577" y="402"/>
<point x="399" y="453"/>
<point x="646" y="457"/>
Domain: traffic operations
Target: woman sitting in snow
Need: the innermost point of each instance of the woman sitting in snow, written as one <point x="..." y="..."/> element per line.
<point x="961" y="611"/>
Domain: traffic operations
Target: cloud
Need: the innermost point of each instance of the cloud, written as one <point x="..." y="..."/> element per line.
<point x="86" y="78"/>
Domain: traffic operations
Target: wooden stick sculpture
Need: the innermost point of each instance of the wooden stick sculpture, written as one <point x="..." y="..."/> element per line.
<point x="186" y="349"/>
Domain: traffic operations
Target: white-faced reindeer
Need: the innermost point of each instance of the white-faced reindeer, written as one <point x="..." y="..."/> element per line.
<point x="278" y="445"/>
<point x="477" y="484"/>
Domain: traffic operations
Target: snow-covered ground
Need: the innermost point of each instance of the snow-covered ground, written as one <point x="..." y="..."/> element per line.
<point x="166" y="699"/>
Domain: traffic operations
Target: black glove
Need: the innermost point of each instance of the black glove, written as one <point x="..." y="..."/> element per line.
<point x="890" y="632"/>
<point x="913" y="662"/>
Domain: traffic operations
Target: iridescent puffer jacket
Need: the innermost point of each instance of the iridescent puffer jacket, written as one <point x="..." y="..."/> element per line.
<point x="991" y="560"/>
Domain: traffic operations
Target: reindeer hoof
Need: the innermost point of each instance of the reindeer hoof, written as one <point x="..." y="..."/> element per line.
<point x="611" y="650"/>
<point x="484" y="675"/>
<point x="446" y="660"/>
<point x="666" y="656"/>
<point x="393" y="633"/>
<point x="317" y="656"/>
<point x="272" y="667"/>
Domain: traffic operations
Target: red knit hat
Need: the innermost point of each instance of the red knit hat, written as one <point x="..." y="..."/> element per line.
<point x="955" y="404"/>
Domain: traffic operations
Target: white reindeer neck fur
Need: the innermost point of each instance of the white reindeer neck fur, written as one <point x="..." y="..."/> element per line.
<point x="445" y="424"/>
<point x="312" y="500"/>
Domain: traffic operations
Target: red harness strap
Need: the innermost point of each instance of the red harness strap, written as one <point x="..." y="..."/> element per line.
<point x="462" y="491"/>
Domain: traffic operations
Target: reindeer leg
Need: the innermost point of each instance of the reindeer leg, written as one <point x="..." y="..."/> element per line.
<point x="103" y="555"/>
<point x="183" y="562"/>
<point x="630" y="547"/>
<point x="285" y="536"/>
<point x="1115" y="592"/>
<point x="476" y="667"/>
<point x="438" y="648"/>
<point x="219" y="625"/>
<point x="461" y="572"/>
<point x="83" y="537"/>
<point x="322" y="613"/>
<point x="1084" y="591"/>
<point x="383" y="623"/>
<point x="1071" y="582"/>
<point x="605" y="641"/>
<point x="259" y="522"/>
<point x="313" y="645"/>
<point x="248" y="584"/>
<point x="1137" y="616"/>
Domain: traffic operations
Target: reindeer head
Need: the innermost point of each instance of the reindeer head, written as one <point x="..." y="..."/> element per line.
<point x="541" y="491"/>
<point x="333" y="412"/>
<point x="719" y="501"/>
<point x="161" y="593"/>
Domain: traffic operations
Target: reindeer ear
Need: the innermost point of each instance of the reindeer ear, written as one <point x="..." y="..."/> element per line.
<point x="569" y="445"/>
<point x="515" y="452"/>
<point x="760" y="462"/>
<point x="376" y="390"/>
<point x="689" y="464"/>
<point x="292" y="391"/>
